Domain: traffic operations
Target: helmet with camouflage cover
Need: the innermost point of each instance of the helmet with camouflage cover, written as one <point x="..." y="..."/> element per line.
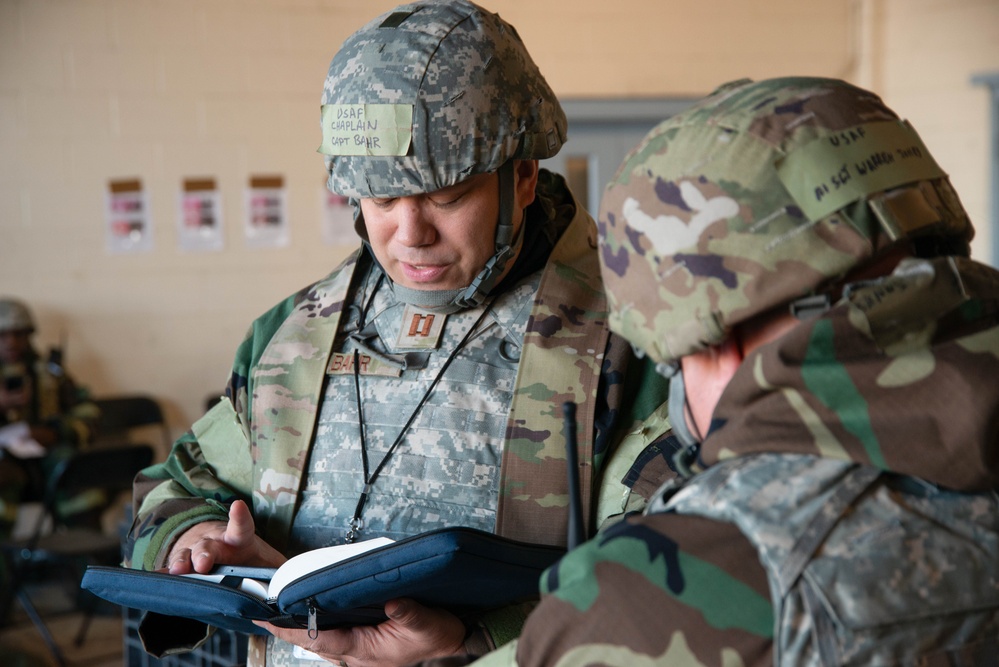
<point x="15" y="316"/>
<point x="763" y="195"/>
<point x="428" y="95"/>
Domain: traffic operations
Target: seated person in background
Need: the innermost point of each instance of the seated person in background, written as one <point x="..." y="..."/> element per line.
<point x="420" y="384"/>
<point x="44" y="415"/>
<point x="790" y="252"/>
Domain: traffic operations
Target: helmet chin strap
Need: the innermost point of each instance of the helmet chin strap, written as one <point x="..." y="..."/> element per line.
<point x="684" y="459"/>
<point x="463" y="298"/>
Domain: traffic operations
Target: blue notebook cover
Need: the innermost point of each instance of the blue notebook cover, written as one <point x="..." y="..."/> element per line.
<point x="460" y="569"/>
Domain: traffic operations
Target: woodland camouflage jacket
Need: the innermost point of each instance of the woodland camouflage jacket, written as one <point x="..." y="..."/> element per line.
<point x="900" y="377"/>
<point x="255" y="447"/>
<point x="56" y="402"/>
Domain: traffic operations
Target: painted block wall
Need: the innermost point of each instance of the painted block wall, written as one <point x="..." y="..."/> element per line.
<point x="163" y="90"/>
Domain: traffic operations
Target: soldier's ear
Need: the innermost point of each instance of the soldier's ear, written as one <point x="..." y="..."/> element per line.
<point x="706" y="374"/>
<point x="730" y="355"/>
<point x="525" y="182"/>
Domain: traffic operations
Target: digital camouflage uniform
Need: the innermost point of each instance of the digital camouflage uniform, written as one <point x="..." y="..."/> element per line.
<point x="845" y="512"/>
<point x="422" y="98"/>
<point x="260" y="450"/>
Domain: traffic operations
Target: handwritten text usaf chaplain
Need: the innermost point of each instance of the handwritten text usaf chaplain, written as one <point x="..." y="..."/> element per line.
<point x="350" y="121"/>
<point x="366" y="129"/>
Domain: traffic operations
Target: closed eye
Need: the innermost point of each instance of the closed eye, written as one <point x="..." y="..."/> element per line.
<point x="445" y="202"/>
<point x="383" y="202"/>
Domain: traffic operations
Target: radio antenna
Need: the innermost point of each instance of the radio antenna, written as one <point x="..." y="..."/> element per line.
<point x="576" y="534"/>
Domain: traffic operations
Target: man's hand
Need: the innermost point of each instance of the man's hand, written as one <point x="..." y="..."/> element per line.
<point x="234" y="542"/>
<point x="411" y="633"/>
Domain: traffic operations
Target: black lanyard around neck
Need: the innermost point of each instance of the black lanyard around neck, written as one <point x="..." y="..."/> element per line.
<point x="356" y="522"/>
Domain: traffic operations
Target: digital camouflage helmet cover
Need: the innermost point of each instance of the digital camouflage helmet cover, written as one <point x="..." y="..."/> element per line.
<point x="759" y="195"/>
<point x="429" y="94"/>
<point x="426" y="96"/>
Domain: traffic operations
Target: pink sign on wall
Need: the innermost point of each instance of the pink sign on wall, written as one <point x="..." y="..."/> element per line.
<point x="128" y="227"/>
<point x="199" y="215"/>
<point x="266" y="212"/>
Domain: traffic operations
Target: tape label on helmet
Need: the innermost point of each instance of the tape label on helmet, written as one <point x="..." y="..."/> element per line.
<point x="826" y="174"/>
<point x="366" y="129"/>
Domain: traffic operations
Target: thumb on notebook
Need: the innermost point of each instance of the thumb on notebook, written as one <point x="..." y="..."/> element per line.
<point x="233" y="542"/>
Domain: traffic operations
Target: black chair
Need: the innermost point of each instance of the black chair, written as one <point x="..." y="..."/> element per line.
<point x="56" y="546"/>
<point x="212" y="400"/>
<point x="121" y="414"/>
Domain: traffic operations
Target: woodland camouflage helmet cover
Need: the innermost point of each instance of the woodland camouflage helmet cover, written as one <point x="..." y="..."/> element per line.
<point x="429" y="94"/>
<point x="759" y="195"/>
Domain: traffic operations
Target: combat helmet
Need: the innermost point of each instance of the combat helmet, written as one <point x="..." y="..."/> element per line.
<point x="426" y="96"/>
<point x="763" y="195"/>
<point x="15" y="316"/>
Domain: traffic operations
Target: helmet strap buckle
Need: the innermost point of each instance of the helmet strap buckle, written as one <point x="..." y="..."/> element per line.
<point x="809" y="307"/>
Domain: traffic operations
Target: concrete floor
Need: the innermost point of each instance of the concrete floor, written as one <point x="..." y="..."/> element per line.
<point x="107" y="643"/>
<point x="21" y="645"/>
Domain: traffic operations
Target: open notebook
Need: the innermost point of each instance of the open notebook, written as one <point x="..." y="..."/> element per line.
<point x="461" y="569"/>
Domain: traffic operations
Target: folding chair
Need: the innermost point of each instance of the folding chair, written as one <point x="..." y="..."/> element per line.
<point x="121" y="414"/>
<point x="55" y="545"/>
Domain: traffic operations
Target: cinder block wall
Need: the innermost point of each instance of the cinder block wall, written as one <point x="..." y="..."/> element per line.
<point x="163" y="90"/>
<point x="926" y="53"/>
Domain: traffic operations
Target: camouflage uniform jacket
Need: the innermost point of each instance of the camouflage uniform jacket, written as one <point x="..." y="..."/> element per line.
<point x="56" y="402"/>
<point x="898" y="377"/>
<point x="256" y="446"/>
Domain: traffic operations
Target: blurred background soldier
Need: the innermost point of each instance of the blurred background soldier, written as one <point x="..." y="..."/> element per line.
<point x="44" y="415"/>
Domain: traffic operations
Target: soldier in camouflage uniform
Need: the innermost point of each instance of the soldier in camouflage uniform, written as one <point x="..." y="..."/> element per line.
<point x="790" y="252"/>
<point x="37" y="391"/>
<point x="420" y="384"/>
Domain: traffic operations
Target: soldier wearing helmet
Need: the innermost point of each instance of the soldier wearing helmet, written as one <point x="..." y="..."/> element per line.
<point x="792" y="256"/>
<point x="43" y="414"/>
<point x="420" y="384"/>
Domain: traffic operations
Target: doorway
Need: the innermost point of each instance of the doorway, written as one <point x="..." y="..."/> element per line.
<point x="601" y="133"/>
